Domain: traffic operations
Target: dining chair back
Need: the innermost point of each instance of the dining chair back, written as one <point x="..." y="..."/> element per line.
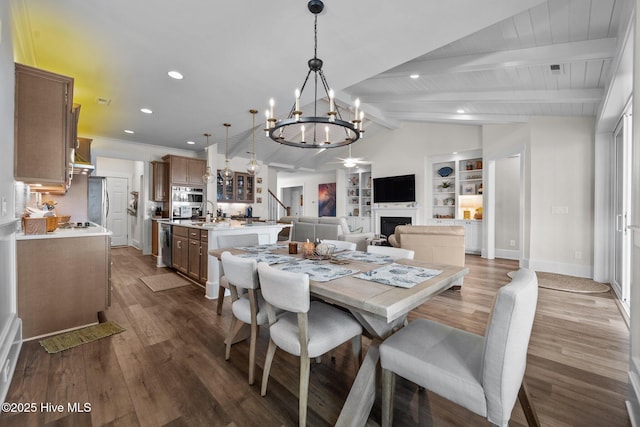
<point x="341" y="244"/>
<point x="231" y="241"/>
<point x="307" y="329"/>
<point x="482" y="374"/>
<point x="247" y="304"/>
<point x="395" y="253"/>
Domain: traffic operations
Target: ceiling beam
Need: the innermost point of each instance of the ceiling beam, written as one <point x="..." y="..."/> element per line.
<point x="592" y="96"/>
<point x="463" y="118"/>
<point x="561" y="53"/>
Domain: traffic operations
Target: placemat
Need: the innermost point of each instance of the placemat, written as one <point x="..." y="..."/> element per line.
<point x="364" y="257"/>
<point x="262" y="248"/>
<point x="317" y="270"/>
<point x="404" y="276"/>
<point x="268" y="257"/>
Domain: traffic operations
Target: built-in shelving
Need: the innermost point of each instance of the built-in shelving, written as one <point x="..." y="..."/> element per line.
<point x="359" y="199"/>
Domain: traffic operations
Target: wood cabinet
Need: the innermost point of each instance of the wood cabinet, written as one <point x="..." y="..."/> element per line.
<point x="195" y="254"/>
<point x="204" y="256"/>
<point x="180" y="249"/>
<point x="44" y="127"/>
<point x="185" y="170"/>
<point x="154" y="237"/>
<point x="190" y="255"/>
<point x="238" y="189"/>
<point x="160" y="184"/>
<point x="62" y="283"/>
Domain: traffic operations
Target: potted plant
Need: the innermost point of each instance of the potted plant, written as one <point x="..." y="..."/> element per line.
<point x="445" y="185"/>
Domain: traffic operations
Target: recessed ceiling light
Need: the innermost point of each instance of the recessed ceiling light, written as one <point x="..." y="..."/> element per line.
<point x="146" y="110"/>
<point x="128" y="131"/>
<point x="190" y="142"/>
<point x="460" y="111"/>
<point x="175" y="75"/>
<point x="455" y="152"/>
<point x="415" y="76"/>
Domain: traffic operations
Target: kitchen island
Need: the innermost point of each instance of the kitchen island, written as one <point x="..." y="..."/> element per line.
<point x="267" y="233"/>
<point x="63" y="279"/>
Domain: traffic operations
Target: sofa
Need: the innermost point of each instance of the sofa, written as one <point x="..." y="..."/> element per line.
<point x="438" y="244"/>
<point x="326" y="227"/>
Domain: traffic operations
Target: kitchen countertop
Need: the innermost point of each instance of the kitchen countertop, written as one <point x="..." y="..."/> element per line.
<point x="60" y="233"/>
<point x="224" y="225"/>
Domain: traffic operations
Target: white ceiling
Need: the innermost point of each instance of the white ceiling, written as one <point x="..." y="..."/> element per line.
<point x="491" y="58"/>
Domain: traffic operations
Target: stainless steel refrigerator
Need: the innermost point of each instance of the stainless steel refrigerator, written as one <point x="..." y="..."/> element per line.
<point x="98" y="200"/>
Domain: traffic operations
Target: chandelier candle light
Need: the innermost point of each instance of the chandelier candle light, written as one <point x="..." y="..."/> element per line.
<point x="323" y="132"/>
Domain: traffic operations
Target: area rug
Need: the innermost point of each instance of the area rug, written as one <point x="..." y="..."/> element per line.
<point x="162" y="282"/>
<point x="561" y="282"/>
<point x="81" y="336"/>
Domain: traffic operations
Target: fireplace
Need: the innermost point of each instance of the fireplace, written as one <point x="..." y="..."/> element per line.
<point x="388" y="223"/>
<point x="408" y="213"/>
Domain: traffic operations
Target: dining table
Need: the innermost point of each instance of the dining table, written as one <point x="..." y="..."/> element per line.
<point x="378" y="291"/>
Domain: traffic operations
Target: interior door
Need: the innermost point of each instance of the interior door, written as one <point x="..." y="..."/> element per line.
<point x="621" y="203"/>
<point x="117" y="220"/>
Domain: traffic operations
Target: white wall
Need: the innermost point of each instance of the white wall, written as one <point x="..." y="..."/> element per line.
<point x="507" y="207"/>
<point x="404" y="151"/>
<point x="562" y="174"/>
<point x="309" y="183"/>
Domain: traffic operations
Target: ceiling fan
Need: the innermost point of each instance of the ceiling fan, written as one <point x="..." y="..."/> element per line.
<point x="352" y="162"/>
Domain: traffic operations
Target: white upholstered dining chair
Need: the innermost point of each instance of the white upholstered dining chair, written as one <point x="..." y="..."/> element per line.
<point x="231" y="241"/>
<point x="305" y="329"/>
<point x="395" y="253"/>
<point x="481" y="373"/>
<point x="247" y="304"/>
<point x="341" y="244"/>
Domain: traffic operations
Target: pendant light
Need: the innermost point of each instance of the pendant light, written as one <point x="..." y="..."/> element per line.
<point x="227" y="172"/>
<point x="208" y="177"/>
<point x="253" y="168"/>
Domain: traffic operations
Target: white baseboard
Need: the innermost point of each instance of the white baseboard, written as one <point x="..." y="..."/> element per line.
<point x="10" y="345"/>
<point x="578" y="270"/>
<point x="507" y="254"/>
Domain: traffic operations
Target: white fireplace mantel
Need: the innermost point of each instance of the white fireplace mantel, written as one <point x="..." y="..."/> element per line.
<point x="380" y="211"/>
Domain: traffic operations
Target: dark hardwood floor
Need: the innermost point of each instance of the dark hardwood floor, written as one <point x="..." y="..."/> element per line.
<point x="168" y="367"/>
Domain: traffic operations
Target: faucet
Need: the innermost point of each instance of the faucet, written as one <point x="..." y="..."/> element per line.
<point x="212" y="207"/>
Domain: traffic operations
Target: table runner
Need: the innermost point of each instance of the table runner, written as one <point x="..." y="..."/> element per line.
<point x="317" y="270"/>
<point x="364" y="257"/>
<point x="262" y="248"/>
<point x="404" y="276"/>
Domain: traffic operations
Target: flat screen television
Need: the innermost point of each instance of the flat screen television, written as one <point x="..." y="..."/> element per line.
<point x="394" y="189"/>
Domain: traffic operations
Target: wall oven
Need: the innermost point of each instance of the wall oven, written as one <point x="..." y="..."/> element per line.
<point x="186" y="202"/>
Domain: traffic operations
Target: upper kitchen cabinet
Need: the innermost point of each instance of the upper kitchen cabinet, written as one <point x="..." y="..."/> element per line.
<point x="45" y="127"/>
<point x="185" y="170"/>
<point x="159" y="190"/>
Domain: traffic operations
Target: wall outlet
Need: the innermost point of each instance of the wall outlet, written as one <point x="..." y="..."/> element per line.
<point x="578" y="255"/>
<point x="560" y="210"/>
<point x="512" y="242"/>
<point x="3" y="206"/>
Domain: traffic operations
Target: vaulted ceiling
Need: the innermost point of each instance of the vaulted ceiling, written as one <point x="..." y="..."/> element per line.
<point x="499" y="61"/>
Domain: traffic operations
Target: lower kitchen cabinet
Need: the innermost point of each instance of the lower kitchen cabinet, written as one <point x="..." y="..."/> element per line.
<point x="63" y="283"/>
<point x="180" y="249"/>
<point x="189" y="255"/>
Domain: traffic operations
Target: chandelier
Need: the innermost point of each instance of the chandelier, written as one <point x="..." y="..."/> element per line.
<point x="313" y="131"/>
<point x="253" y="168"/>
<point x="208" y="177"/>
<point x="226" y="172"/>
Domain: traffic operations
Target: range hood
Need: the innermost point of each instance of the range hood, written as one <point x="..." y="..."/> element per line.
<point x="82" y="158"/>
<point x="82" y="165"/>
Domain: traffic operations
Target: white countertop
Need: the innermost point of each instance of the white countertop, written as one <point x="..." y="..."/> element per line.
<point x="225" y="225"/>
<point x="61" y="233"/>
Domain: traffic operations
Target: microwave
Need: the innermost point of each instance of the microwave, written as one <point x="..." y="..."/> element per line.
<point x="182" y="212"/>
